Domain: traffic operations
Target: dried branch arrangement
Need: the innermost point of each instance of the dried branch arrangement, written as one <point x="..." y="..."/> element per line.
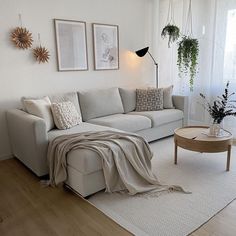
<point x="223" y="106"/>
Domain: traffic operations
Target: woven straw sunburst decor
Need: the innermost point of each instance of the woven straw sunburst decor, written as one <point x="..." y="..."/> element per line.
<point x="22" y="38"/>
<point x="41" y="54"/>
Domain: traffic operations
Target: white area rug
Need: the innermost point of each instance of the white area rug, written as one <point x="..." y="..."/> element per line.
<point x="175" y="214"/>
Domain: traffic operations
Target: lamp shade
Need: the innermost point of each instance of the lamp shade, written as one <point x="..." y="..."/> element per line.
<point x="142" y="52"/>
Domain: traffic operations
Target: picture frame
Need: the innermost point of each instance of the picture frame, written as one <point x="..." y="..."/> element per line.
<point x="105" y="46"/>
<point x="71" y="45"/>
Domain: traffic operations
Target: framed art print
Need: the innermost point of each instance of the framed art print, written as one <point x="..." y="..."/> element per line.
<point x="106" y="46"/>
<point x="71" y="43"/>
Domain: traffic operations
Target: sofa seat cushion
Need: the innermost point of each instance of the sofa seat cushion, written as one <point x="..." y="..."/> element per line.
<point x="83" y="127"/>
<point x="161" y="117"/>
<point x="129" y="123"/>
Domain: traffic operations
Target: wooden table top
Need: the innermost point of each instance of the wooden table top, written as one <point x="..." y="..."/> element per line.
<point x="197" y="133"/>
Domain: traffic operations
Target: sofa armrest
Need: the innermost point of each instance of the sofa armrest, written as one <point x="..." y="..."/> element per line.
<point x="181" y="103"/>
<point x="29" y="140"/>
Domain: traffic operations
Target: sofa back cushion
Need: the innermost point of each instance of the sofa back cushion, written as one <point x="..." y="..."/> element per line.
<point x="128" y="97"/>
<point x="167" y="97"/>
<point x="98" y="103"/>
<point x="66" y="97"/>
<point x="42" y="108"/>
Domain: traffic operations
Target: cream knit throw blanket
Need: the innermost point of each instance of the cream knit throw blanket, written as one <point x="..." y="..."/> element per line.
<point x="126" y="160"/>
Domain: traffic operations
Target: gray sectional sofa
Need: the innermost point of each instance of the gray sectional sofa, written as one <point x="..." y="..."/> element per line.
<point x="105" y="109"/>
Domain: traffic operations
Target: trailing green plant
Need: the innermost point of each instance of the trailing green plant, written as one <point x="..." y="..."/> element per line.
<point x="221" y="107"/>
<point x="172" y="32"/>
<point x="188" y="49"/>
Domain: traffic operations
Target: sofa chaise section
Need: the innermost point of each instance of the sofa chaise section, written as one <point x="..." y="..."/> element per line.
<point x="84" y="167"/>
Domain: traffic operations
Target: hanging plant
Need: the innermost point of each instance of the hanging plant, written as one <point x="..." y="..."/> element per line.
<point x="188" y="50"/>
<point x="170" y="30"/>
<point x="40" y="53"/>
<point x="187" y="58"/>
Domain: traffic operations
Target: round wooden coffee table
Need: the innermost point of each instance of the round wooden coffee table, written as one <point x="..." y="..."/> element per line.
<point x="193" y="138"/>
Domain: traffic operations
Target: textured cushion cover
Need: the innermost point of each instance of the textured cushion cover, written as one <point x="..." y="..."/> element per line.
<point x="161" y="117"/>
<point x="124" y="122"/>
<point x="100" y="103"/>
<point x="65" y="97"/>
<point x="128" y="97"/>
<point x="65" y="115"/>
<point x="150" y="99"/>
<point x="167" y="97"/>
<point x="41" y="108"/>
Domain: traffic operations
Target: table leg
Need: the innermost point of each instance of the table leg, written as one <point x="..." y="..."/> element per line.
<point x="176" y="151"/>
<point x="228" y="158"/>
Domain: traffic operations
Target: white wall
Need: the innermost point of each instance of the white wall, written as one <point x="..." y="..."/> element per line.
<point x="21" y="76"/>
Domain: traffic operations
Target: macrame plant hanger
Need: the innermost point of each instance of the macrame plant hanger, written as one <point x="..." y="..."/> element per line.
<point x="170" y="17"/>
<point x="189" y="21"/>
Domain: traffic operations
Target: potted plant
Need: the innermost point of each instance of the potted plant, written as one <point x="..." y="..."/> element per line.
<point x="172" y="32"/>
<point x="220" y="108"/>
<point x="187" y="58"/>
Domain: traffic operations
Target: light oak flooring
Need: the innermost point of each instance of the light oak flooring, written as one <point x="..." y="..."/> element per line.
<point x="27" y="208"/>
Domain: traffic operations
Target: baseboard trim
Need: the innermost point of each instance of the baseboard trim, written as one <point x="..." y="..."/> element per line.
<point x="5" y="157"/>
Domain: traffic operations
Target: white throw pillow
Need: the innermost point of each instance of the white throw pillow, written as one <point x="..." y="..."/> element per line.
<point x="41" y="108"/>
<point x="65" y="115"/>
<point x="167" y="97"/>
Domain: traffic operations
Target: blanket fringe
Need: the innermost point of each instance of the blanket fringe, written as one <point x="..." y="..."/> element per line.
<point x="153" y="193"/>
<point x="45" y="183"/>
<point x="158" y="193"/>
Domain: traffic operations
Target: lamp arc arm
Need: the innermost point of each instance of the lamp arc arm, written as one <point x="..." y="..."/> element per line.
<point x="153" y="58"/>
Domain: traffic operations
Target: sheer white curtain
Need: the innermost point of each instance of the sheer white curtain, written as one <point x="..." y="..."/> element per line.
<point x="214" y="25"/>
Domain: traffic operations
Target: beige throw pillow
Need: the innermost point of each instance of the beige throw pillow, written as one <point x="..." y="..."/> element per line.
<point x="65" y="115"/>
<point x="149" y="99"/>
<point x="167" y="97"/>
<point x="41" y="108"/>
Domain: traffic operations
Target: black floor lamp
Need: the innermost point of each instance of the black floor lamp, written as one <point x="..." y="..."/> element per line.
<point x="142" y="52"/>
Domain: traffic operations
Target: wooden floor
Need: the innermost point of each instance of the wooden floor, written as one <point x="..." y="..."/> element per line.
<point x="27" y="208"/>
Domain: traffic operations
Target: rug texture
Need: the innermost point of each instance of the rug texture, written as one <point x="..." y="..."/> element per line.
<point x="175" y="214"/>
